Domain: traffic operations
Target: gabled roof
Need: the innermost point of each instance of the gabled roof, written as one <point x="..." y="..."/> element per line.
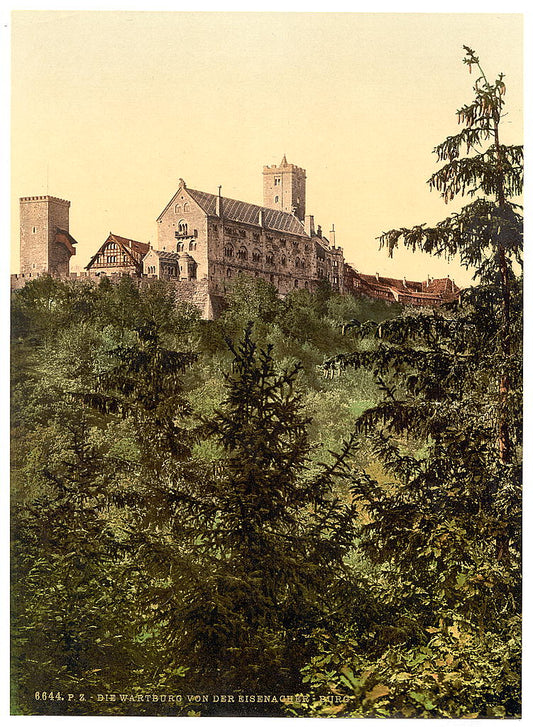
<point x="134" y="245"/>
<point x="233" y="210"/>
<point x="442" y="286"/>
<point x="125" y="244"/>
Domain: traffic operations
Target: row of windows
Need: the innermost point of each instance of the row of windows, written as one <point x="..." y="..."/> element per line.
<point x="182" y="246"/>
<point x="110" y="259"/>
<point x="257" y="237"/>
<point x="172" y="270"/>
<point x="257" y="257"/>
<point x="334" y="279"/>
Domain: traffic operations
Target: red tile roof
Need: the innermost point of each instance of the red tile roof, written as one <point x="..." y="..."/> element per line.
<point x="137" y="250"/>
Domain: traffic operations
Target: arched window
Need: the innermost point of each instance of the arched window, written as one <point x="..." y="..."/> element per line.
<point x="182" y="227"/>
<point x="228" y="251"/>
<point x="256" y="256"/>
<point x="185" y="206"/>
<point x="242" y="254"/>
<point x="177" y="209"/>
<point x="270" y="258"/>
<point x="283" y="260"/>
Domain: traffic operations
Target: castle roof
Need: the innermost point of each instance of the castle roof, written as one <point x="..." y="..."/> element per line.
<point x="132" y="247"/>
<point x="432" y="292"/>
<point x="65" y="238"/>
<point x="167" y="255"/>
<point x="234" y="210"/>
<point x="135" y="245"/>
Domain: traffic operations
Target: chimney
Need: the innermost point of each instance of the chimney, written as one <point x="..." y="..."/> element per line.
<point x="261" y="218"/>
<point x="309" y="225"/>
<point x="377" y="277"/>
<point x="404" y="282"/>
<point x="332" y="235"/>
<point x="219" y="202"/>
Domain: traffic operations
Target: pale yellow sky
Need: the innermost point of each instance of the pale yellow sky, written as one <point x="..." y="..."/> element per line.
<point x="110" y="109"/>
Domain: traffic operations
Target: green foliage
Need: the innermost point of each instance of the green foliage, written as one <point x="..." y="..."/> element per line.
<point x="253" y="549"/>
<point x="119" y="495"/>
<point x="442" y="533"/>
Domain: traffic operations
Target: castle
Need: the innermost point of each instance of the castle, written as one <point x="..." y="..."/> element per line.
<point x="204" y="240"/>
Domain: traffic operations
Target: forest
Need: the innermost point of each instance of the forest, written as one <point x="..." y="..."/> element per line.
<point x="309" y="507"/>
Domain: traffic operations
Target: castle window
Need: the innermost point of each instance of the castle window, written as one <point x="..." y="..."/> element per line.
<point x="192" y="245"/>
<point x="276" y="198"/>
<point x="34" y="229"/>
<point x="185" y="206"/>
<point x="177" y="209"/>
<point x="269" y="258"/>
<point x="283" y="260"/>
<point x="228" y="251"/>
<point x="182" y="227"/>
<point x="256" y="256"/>
<point x="242" y="254"/>
<point x="277" y="181"/>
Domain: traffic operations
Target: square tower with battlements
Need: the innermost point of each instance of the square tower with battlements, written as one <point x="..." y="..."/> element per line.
<point x="45" y="242"/>
<point x="284" y="188"/>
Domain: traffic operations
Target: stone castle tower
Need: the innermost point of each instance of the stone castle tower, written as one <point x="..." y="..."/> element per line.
<point x="284" y="188"/>
<point x="46" y="245"/>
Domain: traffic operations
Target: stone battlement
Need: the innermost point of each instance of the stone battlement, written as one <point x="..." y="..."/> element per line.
<point x="45" y="198"/>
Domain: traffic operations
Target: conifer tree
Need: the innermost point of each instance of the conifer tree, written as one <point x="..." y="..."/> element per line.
<point x="264" y="565"/>
<point x="444" y="531"/>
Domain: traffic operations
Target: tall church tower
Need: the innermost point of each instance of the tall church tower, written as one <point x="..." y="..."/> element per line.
<point x="45" y="242"/>
<point x="284" y="188"/>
